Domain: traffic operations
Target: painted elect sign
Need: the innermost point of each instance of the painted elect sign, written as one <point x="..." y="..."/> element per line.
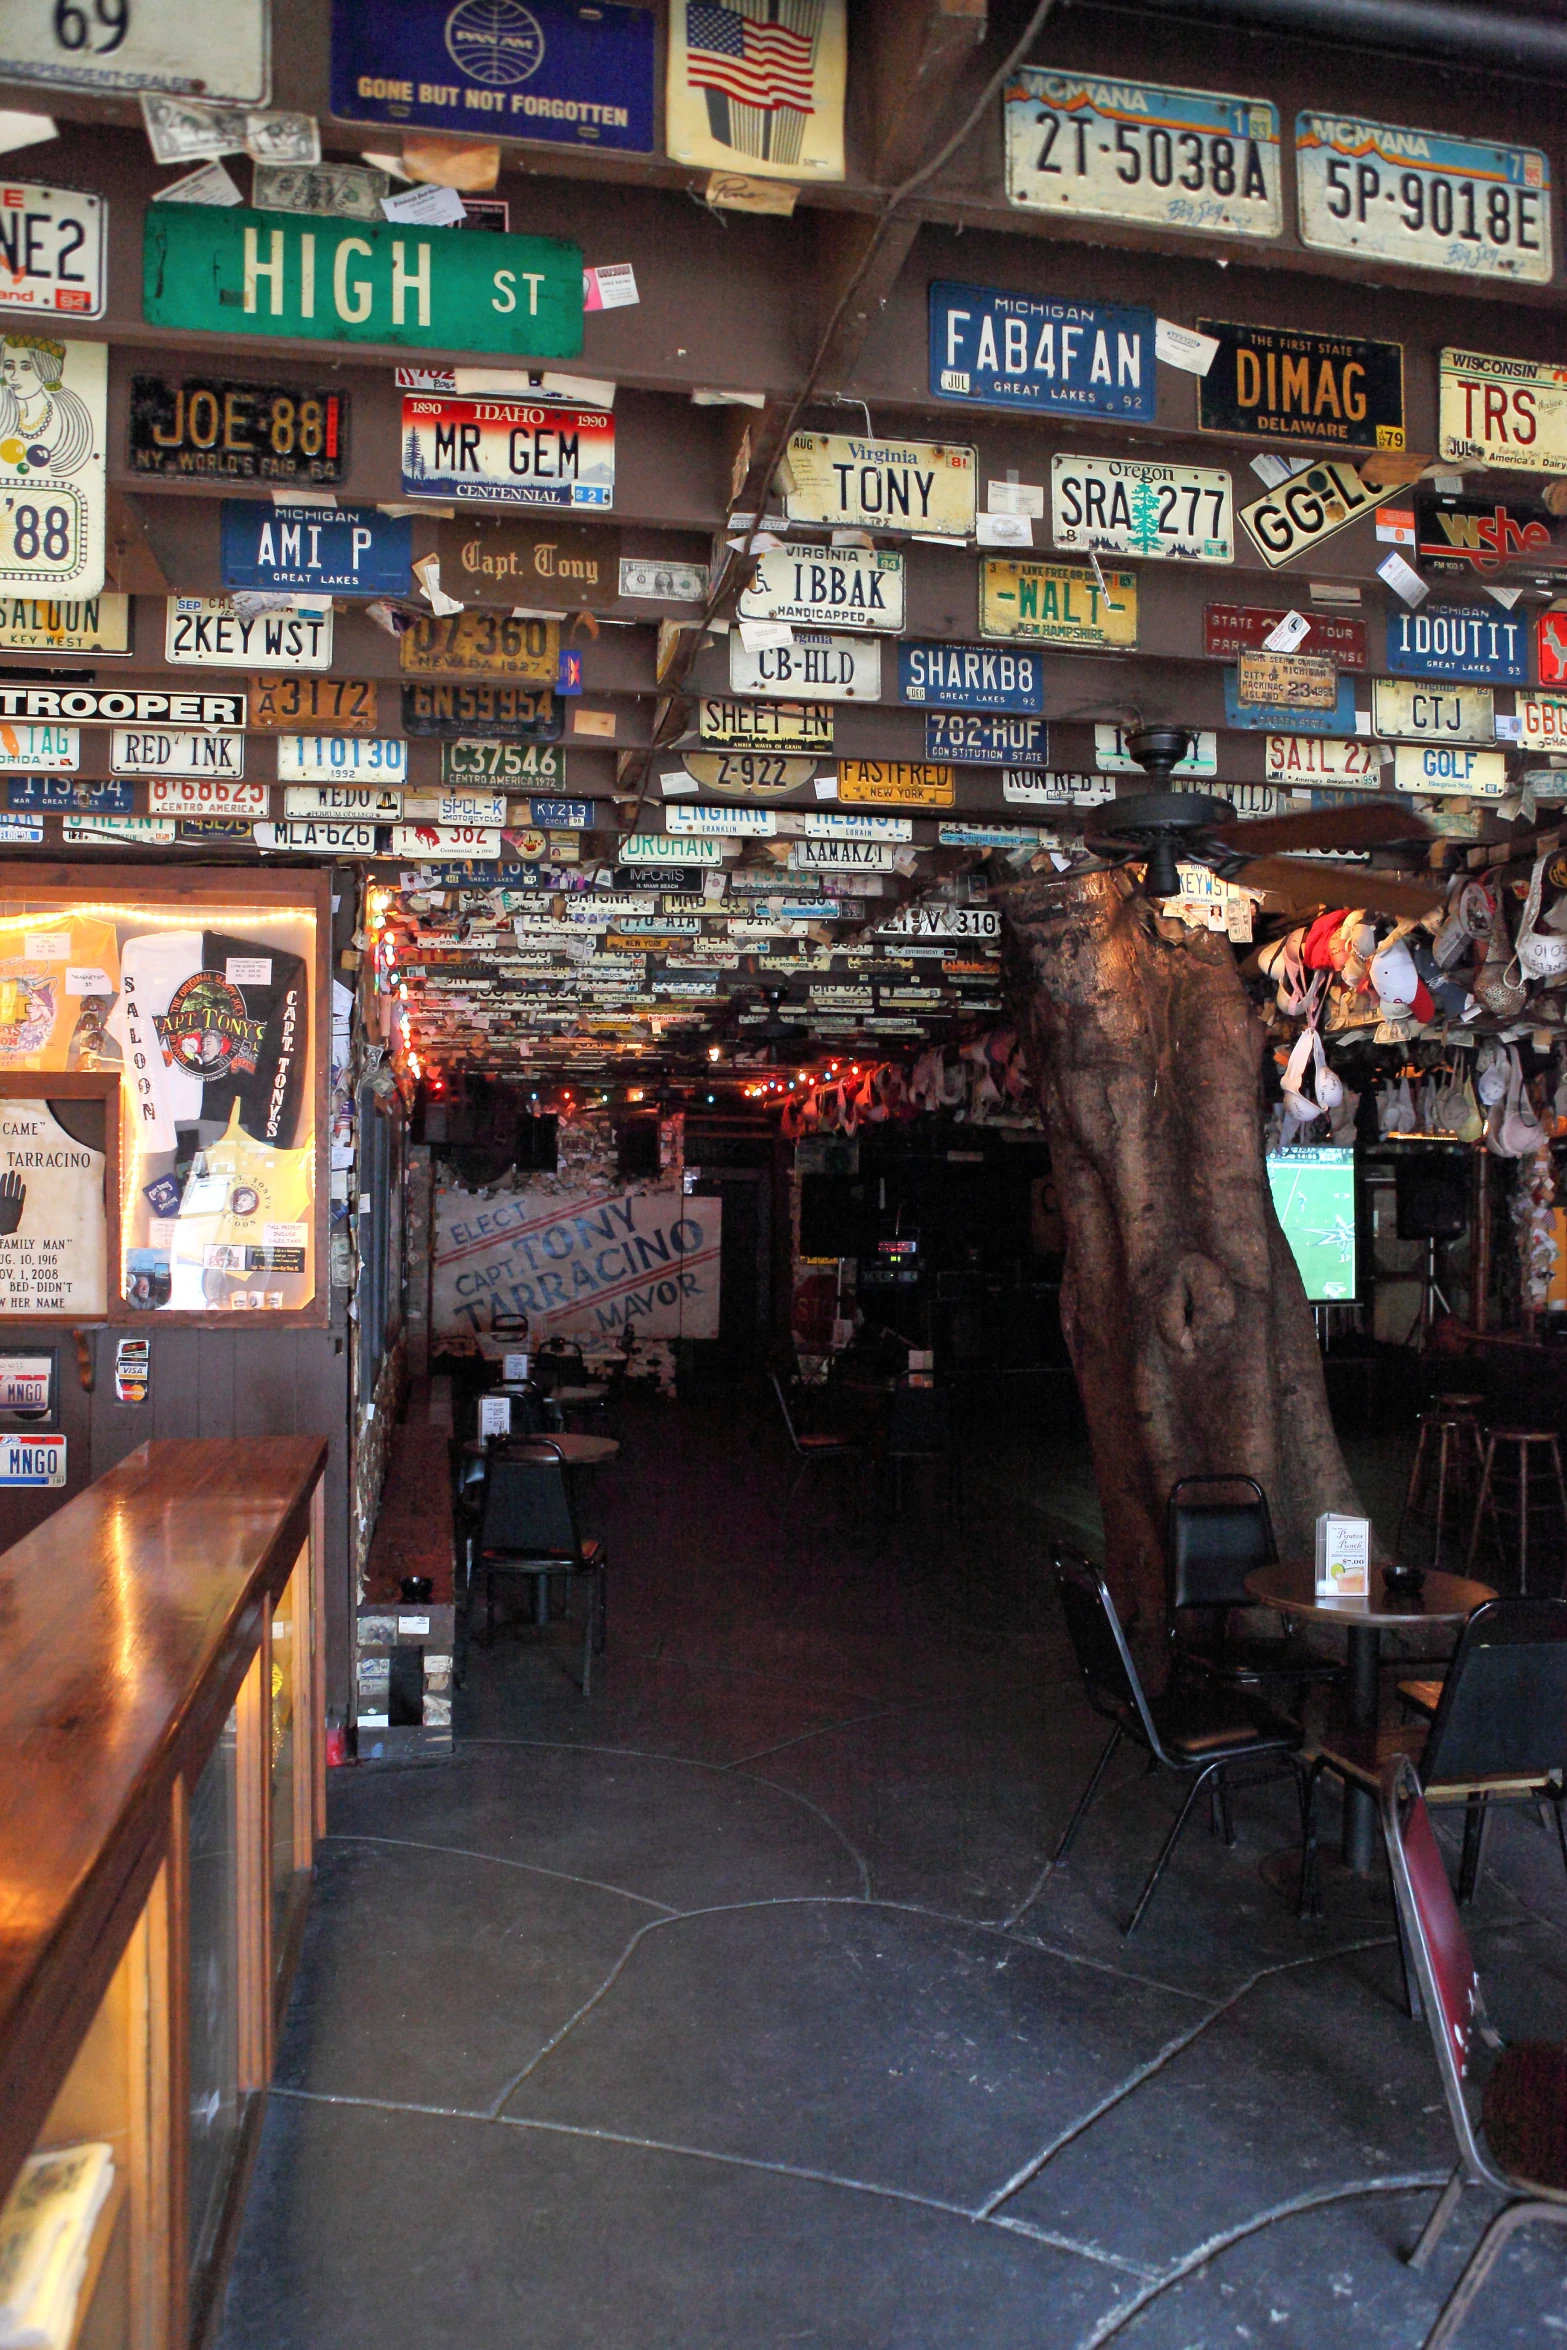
<point x="583" y="1267"/>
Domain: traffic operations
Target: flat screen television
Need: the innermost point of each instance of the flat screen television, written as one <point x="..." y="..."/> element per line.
<point x="1314" y="1198"/>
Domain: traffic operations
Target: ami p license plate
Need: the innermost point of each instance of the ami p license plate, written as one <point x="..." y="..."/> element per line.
<point x="508" y="452"/>
<point x="1111" y="150"/>
<point x="1387" y="193"/>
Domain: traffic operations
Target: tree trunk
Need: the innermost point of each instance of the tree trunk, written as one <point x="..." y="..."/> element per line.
<point x="1182" y="1307"/>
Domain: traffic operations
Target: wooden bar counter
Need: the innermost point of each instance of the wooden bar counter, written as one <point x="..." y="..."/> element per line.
<point x="161" y="1793"/>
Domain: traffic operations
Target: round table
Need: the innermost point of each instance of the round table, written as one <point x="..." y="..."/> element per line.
<point x="578" y="1452"/>
<point x="1291" y="1587"/>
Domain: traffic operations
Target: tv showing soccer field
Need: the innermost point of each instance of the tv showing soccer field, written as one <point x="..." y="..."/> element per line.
<point x="1314" y="1197"/>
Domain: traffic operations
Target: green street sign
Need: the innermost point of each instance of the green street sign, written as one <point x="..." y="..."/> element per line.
<point x="354" y="281"/>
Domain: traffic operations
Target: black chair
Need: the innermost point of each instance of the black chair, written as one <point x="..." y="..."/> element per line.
<point x="1519" y="2148"/>
<point x="1198" y="1732"/>
<point x="810" y="1450"/>
<point x="530" y="1529"/>
<point x="919" y="1428"/>
<point x="1498" y="1733"/>
<point x="1210" y="1547"/>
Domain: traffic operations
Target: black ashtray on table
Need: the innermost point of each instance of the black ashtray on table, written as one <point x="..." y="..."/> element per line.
<point x="1402" y="1582"/>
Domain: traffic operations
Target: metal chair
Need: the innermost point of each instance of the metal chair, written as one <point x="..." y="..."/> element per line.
<point x="1498" y="1733"/>
<point x="1197" y="1732"/>
<point x="530" y="1528"/>
<point x="1210" y="1547"/>
<point x="809" y="1450"/>
<point x="1520" y="2147"/>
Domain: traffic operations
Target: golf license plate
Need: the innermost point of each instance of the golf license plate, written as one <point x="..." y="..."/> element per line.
<point x="1387" y="193"/>
<point x="1124" y="506"/>
<point x="1113" y="150"/>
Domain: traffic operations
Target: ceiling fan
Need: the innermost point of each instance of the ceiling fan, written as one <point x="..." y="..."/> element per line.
<point x="1163" y="828"/>
<point x="763" y="1040"/>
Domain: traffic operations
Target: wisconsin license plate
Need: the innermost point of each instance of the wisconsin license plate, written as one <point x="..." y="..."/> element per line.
<point x="1000" y="350"/>
<point x="880" y="485"/>
<point x="508" y="452"/>
<point x="1388" y="193"/>
<point x="1507" y="413"/>
<point x="1124" y="506"/>
<point x="1113" y="150"/>
<point x="970" y="739"/>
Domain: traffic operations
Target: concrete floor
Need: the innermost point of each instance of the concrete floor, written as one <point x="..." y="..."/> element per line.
<point x="739" y="2006"/>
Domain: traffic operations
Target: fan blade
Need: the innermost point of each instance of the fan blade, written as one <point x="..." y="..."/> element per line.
<point x="1301" y="881"/>
<point x="1375" y="822"/>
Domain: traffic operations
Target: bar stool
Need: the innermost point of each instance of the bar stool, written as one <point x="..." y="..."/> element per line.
<point x="1449" y="1459"/>
<point x="1549" y="1470"/>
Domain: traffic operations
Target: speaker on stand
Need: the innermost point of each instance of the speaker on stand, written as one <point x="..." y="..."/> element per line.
<point x="1432" y="1190"/>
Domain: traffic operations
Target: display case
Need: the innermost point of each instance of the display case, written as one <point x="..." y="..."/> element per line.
<point x="156" y="1852"/>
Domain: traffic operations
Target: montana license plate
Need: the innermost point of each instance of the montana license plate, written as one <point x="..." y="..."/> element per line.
<point x="1125" y="506"/>
<point x="1112" y="150"/>
<point x="1417" y="197"/>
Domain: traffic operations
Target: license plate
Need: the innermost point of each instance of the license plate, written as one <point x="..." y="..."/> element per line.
<point x="971" y="740"/>
<point x="1057" y="603"/>
<point x="1551" y="642"/>
<point x="334" y="551"/>
<point x="1468" y="538"/>
<point x="484" y="644"/>
<point x="467" y="761"/>
<point x="1449" y="769"/>
<point x="1420" y="713"/>
<point x="217" y="53"/>
<point x="1112" y="757"/>
<point x="339" y="704"/>
<point x="341" y="758"/>
<point x="205" y="796"/>
<point x="517" y="713"/>
<point x="838" y="856"/>
<point x="1305" y="510"/>
<point x="1033" y="787"/>
<point x="1290" y="681"/>
<point x="176" y="753"/>
<point x="722" y="823"/>
<point x="325" y="839"/>
<point x="1334" y="716"/>
<point x="508" y="452"/>
<point x="1228" y="630"/>
<point x="657" y="848"/>
<point x="1428" y="202"/>
<point x="1507" y="413"/>
<point x="941" y="922"/>
<point x="1113" y="150"/>
<point x="1477" y="641"/>
<point x="1297" y="760"/>
<point x="359" y="800"/>
<point x="749" y="774"/>
<point x="838" y="668"/>
<point x="213" y="428"/>
<point x="970" y="677"/>
<point x="833" y="587"/>
<point x="137" y="832"/>
<point x="1543" y="718"/>
<point x="880" y="485"/>
<point x="446" y="840"/>
<point x="53" y="491"/>
<point x="780" y="726"/>
<point x="1288" y="385"/>
<point x="206" y="632"/>
<point x="562" y="815"/>
<point x="1124" y="506"/>
<point x="832" y="824"/>
<point x="32" y="1460"/>
<point x="51" y="251"/>
<point x="36" y="794"/>
<point x="52" y="748"/>
<point x="1020" y="351"/>
<point x="896" y="783"/>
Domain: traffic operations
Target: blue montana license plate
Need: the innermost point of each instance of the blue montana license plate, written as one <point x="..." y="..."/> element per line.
<point x="1459" y="640"/>
<point x="997" y="350"/>
<point x="970" y="677"/>
<point x="972" y="740"/>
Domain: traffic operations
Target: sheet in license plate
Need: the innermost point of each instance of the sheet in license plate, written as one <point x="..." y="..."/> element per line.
<point x="1110" y="150"/>
<point x="1506" y="413"/>
<point x="1389" y="193"/>
<point x="1127" y="506"/>
<point x="508" y="452"/>
<point x="880" y="485"/>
